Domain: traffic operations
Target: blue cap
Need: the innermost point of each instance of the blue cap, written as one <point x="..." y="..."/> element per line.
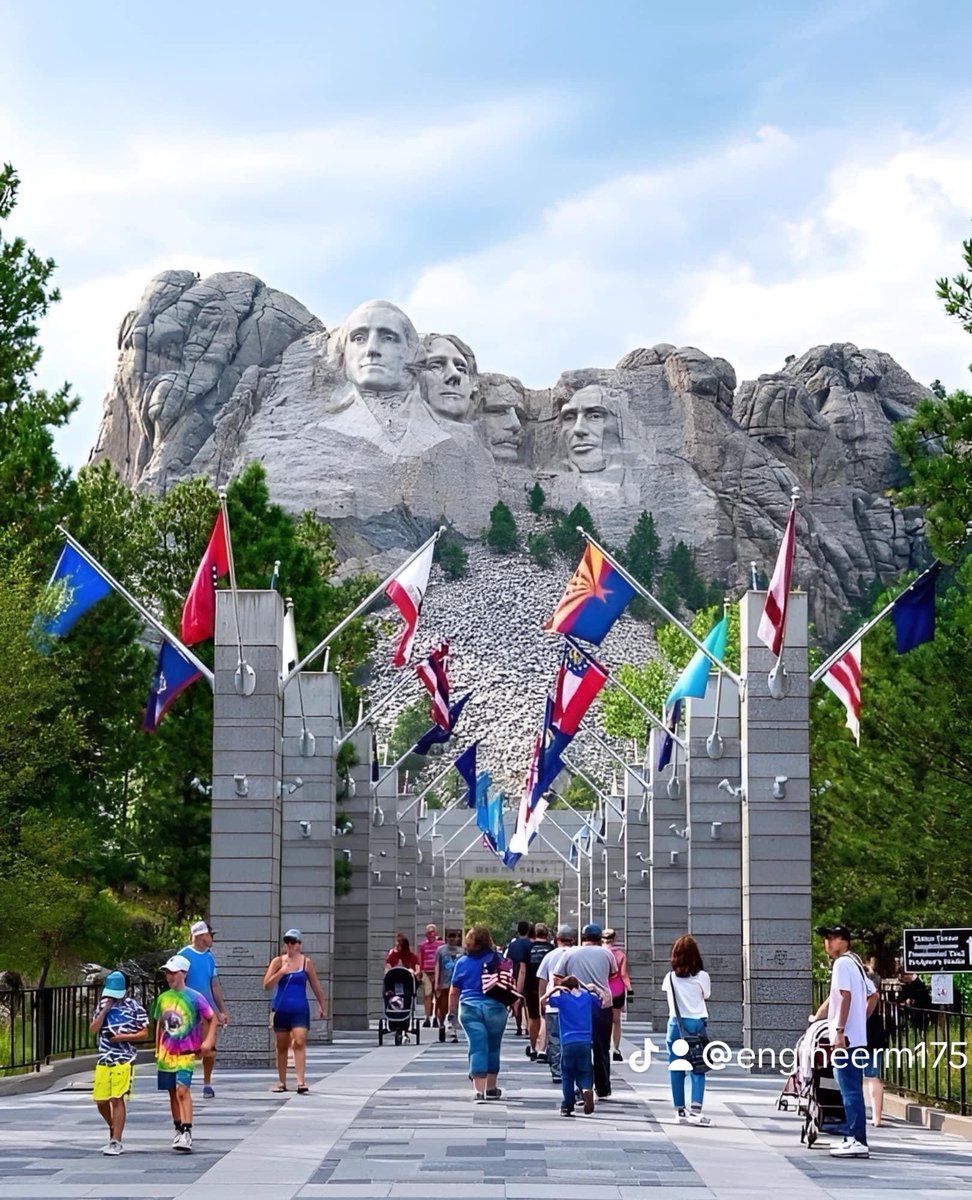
<point x="591" y="932"/>
<point x="295" y="934"/>
<point x="115" y="985"/>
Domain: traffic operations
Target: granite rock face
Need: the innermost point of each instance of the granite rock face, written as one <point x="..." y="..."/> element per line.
<point x="385" y="433"/>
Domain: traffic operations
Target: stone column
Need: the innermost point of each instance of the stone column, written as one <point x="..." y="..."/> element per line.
<point x="610" y="872"/>
<point x="405" y="916"/>
<point x="455" y="901"/>
<point x="350" y="965"/>
<point x="775" y="834"/>
<point x="669" y="870"/>
<point x="637" y="895"/>
<point x="307" y="824"/>
<point x="715" y="858"/>
<point x="382" y="890"/>
<point x="246" y="821"/>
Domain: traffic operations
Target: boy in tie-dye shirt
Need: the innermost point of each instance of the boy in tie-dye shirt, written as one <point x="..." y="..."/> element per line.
<point x="185" y="1029"/>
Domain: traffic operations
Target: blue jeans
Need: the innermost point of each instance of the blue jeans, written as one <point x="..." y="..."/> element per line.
<point x="553" y="1043"/>
<point x="576" y="1070"/>
<point x="850" y="1080"/>
<point x="484" y="1021"/>
<point x="677" y="1078"/>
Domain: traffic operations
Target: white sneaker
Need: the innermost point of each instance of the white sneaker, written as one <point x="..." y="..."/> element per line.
<point x="681" y="1117"/>
<point x="850" y="1148"/>
<point x="177" y="1139"/>
<point x="184" y="1142"/>
<point x="697" y="1118"/>
<point x="114" y="1148"/>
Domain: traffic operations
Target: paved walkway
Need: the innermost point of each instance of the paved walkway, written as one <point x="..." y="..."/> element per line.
<point x="399" y="1122"/>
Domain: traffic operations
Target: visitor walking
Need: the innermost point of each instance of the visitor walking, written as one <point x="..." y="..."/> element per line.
<point x="527" y="985"/>
<point x="119" y="1022"/>
<point x="203" y="977"/>
<point x="427" y="950"/>
<point x="185" y="1028"/>
<point x="620" y="986"/>
<point x="576" y="1007"/>
<point x="482" y="1018"/>
<point x="445" y="961"/>
<point x="516" y="952"/>
<point x="593" y="963"/>
<point x="687" y="986"/>
<point x="290" y="973"/>
<point x="566" y="937"/>
<point x="402" y="955"/>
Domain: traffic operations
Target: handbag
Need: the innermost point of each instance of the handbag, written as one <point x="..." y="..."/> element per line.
<point x="498" y="983"/>
<point x="697" y="1042"/>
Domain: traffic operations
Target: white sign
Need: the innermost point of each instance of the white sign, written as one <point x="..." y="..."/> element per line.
<point x="941" y="989"/>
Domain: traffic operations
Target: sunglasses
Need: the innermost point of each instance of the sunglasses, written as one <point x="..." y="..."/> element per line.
<point x="291" y="942"/>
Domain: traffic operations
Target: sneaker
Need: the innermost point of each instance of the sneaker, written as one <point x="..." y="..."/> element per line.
<point x="850" y="1148"/>
<point x="529" y="1051"/>
<point x="183" y="1142"/>
<point x="565" y="1111"/>
<point x="555" y="1079"/>
<point x="177" y="1139"/>
<point x="681" y="1117"/>
<point x="208" y="1093"/>
<point x="426" y="1024"/>
<point x="541" y="1056"/>
<point x="493" y="1093"/>
<point x="114" y="1148"/>
<point x="617" y="1056"/>
<point x="697" y="1118"/>
<point x="588" y="1095"/>
<point x="435" y="1022"/>
<point x="454" y="1038"/>
<point x="479" y="1097"/>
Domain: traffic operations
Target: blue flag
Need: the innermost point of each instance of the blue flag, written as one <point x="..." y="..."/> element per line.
<point x="668" y="744"/>
<point x="553" y="743"/>
<point x="914" y="612"/>
<point x="695" y="677"/>
<point x="82" y="586"/>
<point x="465" y="764"/>
<point x="173" y="674"/>
<point x="437" y="735"/>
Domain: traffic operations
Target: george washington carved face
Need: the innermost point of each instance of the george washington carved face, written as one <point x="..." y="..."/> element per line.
<point x="378" y="345"/>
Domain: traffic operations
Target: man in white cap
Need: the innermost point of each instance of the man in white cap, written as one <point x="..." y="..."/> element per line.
<point x="185" y="1029"/>
<point x="203" y="978"/>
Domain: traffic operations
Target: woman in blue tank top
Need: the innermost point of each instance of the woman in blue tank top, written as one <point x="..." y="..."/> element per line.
<point x="291" y="972"/>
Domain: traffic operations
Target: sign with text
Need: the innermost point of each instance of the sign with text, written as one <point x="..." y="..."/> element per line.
<point x="938" y="951"/>
<point x="942" y="991"/>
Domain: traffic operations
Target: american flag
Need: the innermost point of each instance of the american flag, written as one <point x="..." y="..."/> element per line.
<point x="844" y="680"/>
<point x="432" y="672"/>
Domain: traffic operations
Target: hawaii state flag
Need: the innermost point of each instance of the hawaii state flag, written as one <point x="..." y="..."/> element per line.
<point x="844" y="680"/>
<point x="199" y="610"/>
<point x="406" y="591"/>
<point x="579" y="680"/>
<point x="173" y="674"/>
<point x="596" y="596"/>
<point x="432" y="672"/>
<point x="772" y="624"/>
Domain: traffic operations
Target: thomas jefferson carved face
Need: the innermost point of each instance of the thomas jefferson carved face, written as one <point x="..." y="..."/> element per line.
<point x="449" y="379"/>
<point x="381" y="342"/>
<point x="584" y="421"/>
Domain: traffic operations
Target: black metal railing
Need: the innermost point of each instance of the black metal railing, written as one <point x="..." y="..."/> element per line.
<point x="41" y="1024"/>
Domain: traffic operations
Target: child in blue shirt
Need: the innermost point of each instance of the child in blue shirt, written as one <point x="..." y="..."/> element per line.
<point x="576" y="1003"/>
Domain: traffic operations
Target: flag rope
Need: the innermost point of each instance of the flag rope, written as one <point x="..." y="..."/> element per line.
<point x="232" y="577"/>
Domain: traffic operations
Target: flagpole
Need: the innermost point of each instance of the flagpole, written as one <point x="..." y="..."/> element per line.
<point x="475" y="842"/>
<point x="825" y="666"/>
<point x="140" y="608"/>
<point x="464" y="825"/>
<point x="445" y="770"/>
<point x="245" y="675"/>
<point x="617" y="757"/>
<point x="376" y="708"/>
<point x="580" y="849"/>
<point x="643" y="591"/>
<point x="631" y="696"/>
<point x="372" y="596"/>
<point x="562" y="857"/>
<point x="575" y="770"/>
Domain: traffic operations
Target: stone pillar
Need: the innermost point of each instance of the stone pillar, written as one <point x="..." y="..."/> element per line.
<point x="350" y="965"/>
<point x="405" y="917"/>
<point x="715" y="858"/>
<point x="637" y="895"/>
<point x="455" y="901"/>
<point x="669" y="869"/>
<point x="307" y="824"/>
<point x="610" y="872"/>
<point x="775" y="834"/>
<point x="382" y="889"/>
<point x="246" y="819"/>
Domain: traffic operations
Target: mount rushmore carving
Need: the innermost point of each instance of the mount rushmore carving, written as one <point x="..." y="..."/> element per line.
<point x="384" y="433"/>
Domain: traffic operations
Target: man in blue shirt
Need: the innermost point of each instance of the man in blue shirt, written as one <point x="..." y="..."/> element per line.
<point x="203" y="977"/>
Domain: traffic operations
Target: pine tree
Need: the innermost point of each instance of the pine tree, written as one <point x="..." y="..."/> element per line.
<point x="537" y="497"/>
<point x="502" y="536"/>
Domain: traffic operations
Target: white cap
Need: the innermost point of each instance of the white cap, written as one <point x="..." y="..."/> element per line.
<point x="176" y="963"/>
<point x="198" y="927"/>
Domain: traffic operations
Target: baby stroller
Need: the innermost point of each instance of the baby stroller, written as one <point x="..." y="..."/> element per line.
<point x="812" y="1089"/>
<point x="398" y="989"/>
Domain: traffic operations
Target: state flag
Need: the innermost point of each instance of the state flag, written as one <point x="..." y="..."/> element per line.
<point x="596" y="596"/>
<point x="579" y="680"/>
<point x="406" y="591"/>
<point x="199" y="610"/>
<point x="772" y="625"/>
<point x="913" y="613"/>
<point x="173" y="674"/>
<point x="433" y="674"/>
<point x="79" y="584"/>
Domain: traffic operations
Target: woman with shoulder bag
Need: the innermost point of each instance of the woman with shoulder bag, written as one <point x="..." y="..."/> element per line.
<point x="482" y="1017"/>
<point x="290" y="973"/>
<point x="687" y="986"/>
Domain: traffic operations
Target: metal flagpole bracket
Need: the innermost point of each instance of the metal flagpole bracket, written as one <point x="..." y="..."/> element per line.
<point x="244" y="680"/>
<point x="778" y="680"/>
<point x="306" y="743"/>
<point x="715" y="745"/>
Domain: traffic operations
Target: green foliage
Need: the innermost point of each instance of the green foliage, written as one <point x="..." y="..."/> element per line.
<point x="537" y="498"/>
<point x="502" y="536"/>
<point x="578" y="794"/>
<point x="499" y="904"/>
<point x="568" y="543"/>
<point x="642" y="557"/>
<point x="409" y="726"/>
<point x="540" y="548"/>
<point x="452" y="558"/>
<point x="957" y="292"/>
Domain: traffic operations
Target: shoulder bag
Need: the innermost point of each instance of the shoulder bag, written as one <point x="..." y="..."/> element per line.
<point x="697" y="1042"/>
<point x="498" y="982"/>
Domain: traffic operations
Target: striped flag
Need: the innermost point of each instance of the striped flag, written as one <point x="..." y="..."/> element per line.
<point x="844" y="680"/>
<point x="772" y="624"/>
<point x="432" y="672"/>
<point x="407" y="591"/>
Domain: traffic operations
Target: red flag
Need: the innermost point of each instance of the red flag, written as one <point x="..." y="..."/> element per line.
<point x="432" y="672"/>
<point x="406" y="591"/>
<point x="578" y="682"/>
<point x="844" y="680"/>
<point x="772" y="624"/>
<point x="199" y="610"/>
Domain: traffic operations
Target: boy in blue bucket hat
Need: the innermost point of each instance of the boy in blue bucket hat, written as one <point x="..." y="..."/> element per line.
<point x="119" y="1022"/>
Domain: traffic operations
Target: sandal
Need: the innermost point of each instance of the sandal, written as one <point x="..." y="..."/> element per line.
<point x="303" y="1089"/>
<point x="281" y="1087"/>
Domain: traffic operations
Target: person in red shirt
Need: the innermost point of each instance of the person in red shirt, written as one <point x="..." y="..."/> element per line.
<point x="427" y="950"/>
<point x="402" y="955"/>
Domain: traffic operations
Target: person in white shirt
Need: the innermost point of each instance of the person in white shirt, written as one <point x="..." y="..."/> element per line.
<point x="852" y="997"/>
<point x="688" y="985"/>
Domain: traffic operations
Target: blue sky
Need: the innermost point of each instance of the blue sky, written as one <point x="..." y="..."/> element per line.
<point x="556" y="182"/>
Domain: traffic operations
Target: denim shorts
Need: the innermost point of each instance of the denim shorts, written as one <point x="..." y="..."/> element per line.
<point x="298" y="1018"/>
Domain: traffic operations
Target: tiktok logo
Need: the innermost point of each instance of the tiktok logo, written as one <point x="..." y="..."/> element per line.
<point x="640" y="1060"/>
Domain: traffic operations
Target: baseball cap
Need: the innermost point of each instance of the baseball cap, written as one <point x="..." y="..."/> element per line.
<point x="566" y="931"/>
<point x="199" y="927"/>
<point x="591" y="931"/>
<point x="295" y="934"/>
<point x="176" y="963"/>
<point x="115" y="985"/>
<point x="840" y="931"/>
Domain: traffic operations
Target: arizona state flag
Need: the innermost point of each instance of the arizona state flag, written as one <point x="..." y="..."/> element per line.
<point x="596" y="596"/>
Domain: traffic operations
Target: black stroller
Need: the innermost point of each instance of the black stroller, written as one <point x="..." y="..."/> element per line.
<point x="812" y="1089"/>
<point x="398" y="989"/>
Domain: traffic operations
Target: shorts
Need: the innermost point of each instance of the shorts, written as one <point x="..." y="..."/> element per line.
<point x="169" y="1080"/>
<point x="618" y="1001"/>
<point x="112" y="1081"/>
<point x="427" y="988"/>
<point x="296" y="1018"/>
<point x="873" y="1068"/>
<point x="531" y="996"/>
